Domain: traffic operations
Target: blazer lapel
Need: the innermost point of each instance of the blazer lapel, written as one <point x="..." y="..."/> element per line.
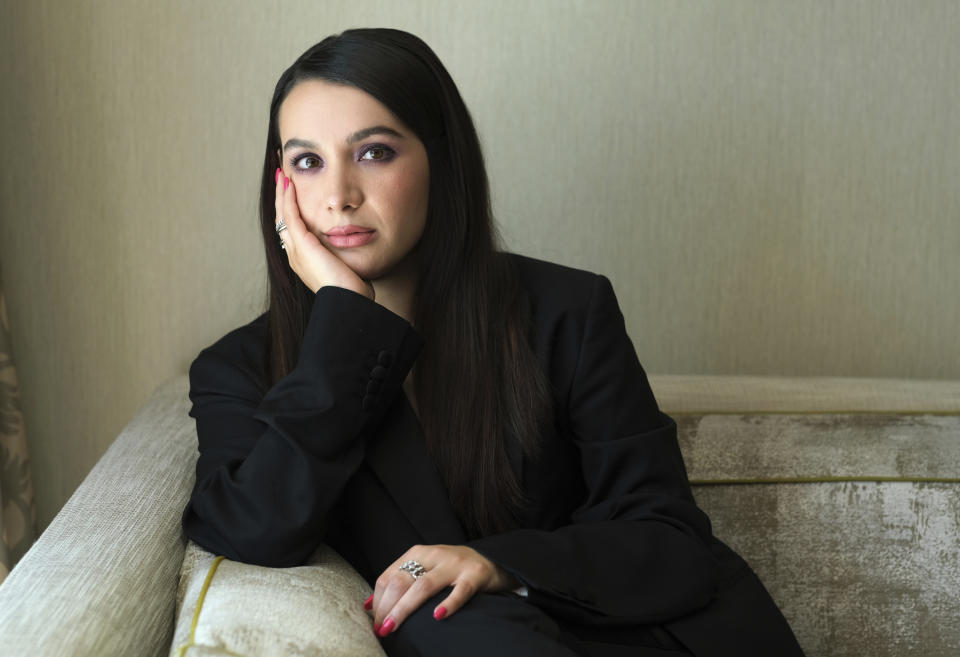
<point x="397" y="454"/>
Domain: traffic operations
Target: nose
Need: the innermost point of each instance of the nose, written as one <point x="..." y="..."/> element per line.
<point x="342" y="191"/>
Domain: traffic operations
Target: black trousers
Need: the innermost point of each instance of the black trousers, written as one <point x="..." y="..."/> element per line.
<point x="506" y="625"/>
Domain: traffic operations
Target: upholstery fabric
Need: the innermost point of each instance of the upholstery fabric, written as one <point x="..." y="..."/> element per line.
<point x="725" y="447"/>
<point x="17" y="508"/>
<point x="314" y="609"/>
<point x="857" y="567"/>
<point x="101" y="580"/>
<point x="776" y="394"/>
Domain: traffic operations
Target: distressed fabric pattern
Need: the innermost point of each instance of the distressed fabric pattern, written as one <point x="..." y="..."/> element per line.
<point x="857" y="567"/>
<point x="17" y="509"/>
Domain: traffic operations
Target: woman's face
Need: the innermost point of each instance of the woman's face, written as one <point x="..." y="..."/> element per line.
<point x="362" y="178"/>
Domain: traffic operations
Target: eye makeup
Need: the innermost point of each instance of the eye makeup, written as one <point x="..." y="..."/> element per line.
<point x="369" y="153"/>
<point x="387" y="153"/>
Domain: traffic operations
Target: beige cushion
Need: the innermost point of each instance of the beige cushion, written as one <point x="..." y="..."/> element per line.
<point x="227" y="608"/>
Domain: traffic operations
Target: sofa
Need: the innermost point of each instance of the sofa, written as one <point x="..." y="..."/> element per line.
<point x="842" y="494"/>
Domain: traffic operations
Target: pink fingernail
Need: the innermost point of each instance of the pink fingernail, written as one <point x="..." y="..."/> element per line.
<point x="439" y="612"/>
<point x="286" y="183"/>
<point x="276" y="176"/>
<point x="368" y="605"/>
<point x="387" y="627"/>
<point x="376" y="628"/>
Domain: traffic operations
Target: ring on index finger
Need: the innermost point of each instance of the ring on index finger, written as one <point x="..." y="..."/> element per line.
<point x="415" y="568"/>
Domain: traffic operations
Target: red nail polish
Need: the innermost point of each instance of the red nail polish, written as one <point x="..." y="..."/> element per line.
<point x="387" y="627"/>
<point x="439" y="612"/>
<point x="368" y="605"/>
<point x="376" y="628"/>
<point x="276" y="176"/>
<point x="286" y="182"/>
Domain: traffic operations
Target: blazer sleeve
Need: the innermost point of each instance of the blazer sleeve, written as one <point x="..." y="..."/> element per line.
<point x="273" y="464"/>
<point x="636" y="550"/>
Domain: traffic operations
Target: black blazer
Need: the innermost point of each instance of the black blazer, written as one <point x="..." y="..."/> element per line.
<point x="333" y="452"/>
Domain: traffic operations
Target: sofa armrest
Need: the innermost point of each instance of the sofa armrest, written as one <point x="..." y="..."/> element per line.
<point x="102" y="578"/>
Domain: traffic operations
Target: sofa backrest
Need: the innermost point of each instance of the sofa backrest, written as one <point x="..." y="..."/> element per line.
<point x="844" y="497"/>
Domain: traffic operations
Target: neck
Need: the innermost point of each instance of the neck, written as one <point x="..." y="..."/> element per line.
<point x="396" y="291"/>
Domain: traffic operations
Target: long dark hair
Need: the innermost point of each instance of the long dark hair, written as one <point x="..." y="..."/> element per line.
<point x="469" y="306"/>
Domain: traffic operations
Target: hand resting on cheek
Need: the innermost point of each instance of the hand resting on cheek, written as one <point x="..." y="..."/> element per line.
<point x="312" y="261"/>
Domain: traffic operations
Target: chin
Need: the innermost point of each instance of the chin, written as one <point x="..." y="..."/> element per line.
<point x="372" y="269"/>
<point x="368" y="271"/>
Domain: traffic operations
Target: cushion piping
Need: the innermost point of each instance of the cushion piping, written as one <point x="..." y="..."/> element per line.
<point x="200" y="599"/>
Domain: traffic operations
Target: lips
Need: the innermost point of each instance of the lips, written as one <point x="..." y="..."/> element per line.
<point x="347" y="230"/>
<point x="344" y="237"/>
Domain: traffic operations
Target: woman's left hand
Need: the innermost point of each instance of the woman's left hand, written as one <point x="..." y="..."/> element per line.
<point x="397" y="594"/>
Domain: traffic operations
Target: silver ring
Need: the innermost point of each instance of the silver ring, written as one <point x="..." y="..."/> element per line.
<point x="282" y="245"/>
<point x="415" y="568"/>
<point x="280" y="226"/>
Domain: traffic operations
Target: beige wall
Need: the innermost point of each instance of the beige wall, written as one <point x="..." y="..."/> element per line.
<point x="772" y="186"/>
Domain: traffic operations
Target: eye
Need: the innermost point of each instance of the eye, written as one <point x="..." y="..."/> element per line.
<point x="306" y="162"/>
<point x="377" y="153"/>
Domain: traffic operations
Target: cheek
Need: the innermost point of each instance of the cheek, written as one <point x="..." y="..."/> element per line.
<point x="410" y="190"/>
<point x="306" y="202"/>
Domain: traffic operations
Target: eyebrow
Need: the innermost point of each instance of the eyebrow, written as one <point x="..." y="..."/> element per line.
<point x="355" y="137"/>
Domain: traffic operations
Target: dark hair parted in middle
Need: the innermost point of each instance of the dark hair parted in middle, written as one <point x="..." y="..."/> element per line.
<point x="477" y="383"/>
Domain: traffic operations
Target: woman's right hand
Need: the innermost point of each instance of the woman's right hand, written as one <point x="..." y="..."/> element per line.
<point x="308" y="257"/>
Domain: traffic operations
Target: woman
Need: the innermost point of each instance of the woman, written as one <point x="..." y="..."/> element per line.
<point x="470" y="429"/>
